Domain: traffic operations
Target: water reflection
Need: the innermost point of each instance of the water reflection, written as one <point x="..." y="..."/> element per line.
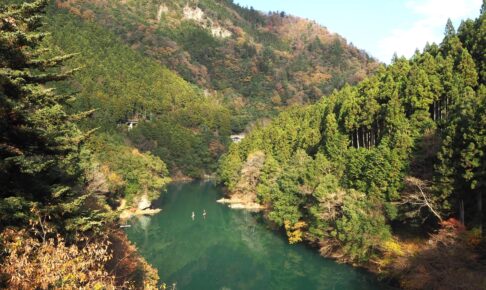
<point x="230" y="249"/>
<point x="144" y="222"/>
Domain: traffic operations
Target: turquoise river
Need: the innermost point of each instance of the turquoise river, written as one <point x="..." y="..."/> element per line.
<point x="230" y="249"/>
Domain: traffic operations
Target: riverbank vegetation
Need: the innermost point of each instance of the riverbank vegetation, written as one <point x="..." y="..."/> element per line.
<point x="404" y="149"/>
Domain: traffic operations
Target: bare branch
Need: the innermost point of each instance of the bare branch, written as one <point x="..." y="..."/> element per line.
<point x="418" y="199"/>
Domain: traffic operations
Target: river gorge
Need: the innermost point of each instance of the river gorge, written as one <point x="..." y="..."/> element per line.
<point x="230" y="249"/>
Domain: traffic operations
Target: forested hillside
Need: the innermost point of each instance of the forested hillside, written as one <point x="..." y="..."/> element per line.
<point x="259" y="63"/>
<point x="121" y="47"/>
<point x="175" y="120"/>
<point x="404" y="149"/>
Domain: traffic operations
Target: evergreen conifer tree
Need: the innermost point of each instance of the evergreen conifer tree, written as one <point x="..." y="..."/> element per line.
<point x="39" y="140"/>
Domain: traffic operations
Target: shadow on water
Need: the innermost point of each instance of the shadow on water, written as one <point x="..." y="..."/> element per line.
<point x="230" y="249"/>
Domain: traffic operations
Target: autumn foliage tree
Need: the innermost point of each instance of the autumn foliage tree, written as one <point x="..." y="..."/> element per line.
<point x="31" y="262"/>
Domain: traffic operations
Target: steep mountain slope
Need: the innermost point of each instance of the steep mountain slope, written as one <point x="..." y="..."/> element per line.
<point x="175" y="120"/>
<point x="258" y="62"/>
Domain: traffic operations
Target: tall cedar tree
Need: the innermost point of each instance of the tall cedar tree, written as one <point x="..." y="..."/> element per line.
<point x="430" y="108"/>
<point x="39" y="141"/>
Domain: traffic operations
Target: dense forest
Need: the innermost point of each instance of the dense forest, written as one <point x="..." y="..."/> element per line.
<point x="176" y="121"/>
<point x="182" y="120"/>
<point x="257" y="63"/>
<point x="403" y="151"/>
<point x="104" y="102"/>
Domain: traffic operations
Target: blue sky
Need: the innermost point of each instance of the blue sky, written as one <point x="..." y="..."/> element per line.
<point x="381" y="27"/>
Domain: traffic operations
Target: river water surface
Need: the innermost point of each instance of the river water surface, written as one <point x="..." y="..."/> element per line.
<point x="230" y="249"/>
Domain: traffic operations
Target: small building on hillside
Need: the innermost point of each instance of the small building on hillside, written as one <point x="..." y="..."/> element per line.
<point x="237" y="137"/>
<point x="131" y="123"/>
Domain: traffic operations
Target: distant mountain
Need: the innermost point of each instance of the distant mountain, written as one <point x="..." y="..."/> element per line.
<point x="187" y="73"/>
<point x="258" y="62"/>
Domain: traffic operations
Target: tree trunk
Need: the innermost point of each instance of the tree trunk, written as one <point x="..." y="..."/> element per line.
<point x="461" y="211"/>
<point x="373" y="136"/>
<point x="434" y="110"/>
<point x="446" y="107"/>
<point x="362" y="139"/>
<point x="438" y="111"/>
<point x="480" y="212"/>
<point x="365" y="137"/>
<point x="357" y="137"/>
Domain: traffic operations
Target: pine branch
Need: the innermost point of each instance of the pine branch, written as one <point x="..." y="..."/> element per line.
<point x="30" y="77"/>
<point x="27" y="8"/>
<point x="43" y="64"/>
<point x="10" y="149"/>
<point x="82" y="115"/>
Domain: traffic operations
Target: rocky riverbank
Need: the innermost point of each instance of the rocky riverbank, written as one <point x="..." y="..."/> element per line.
<point x="237" y="203"/>
<point x="143" y="208"/>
